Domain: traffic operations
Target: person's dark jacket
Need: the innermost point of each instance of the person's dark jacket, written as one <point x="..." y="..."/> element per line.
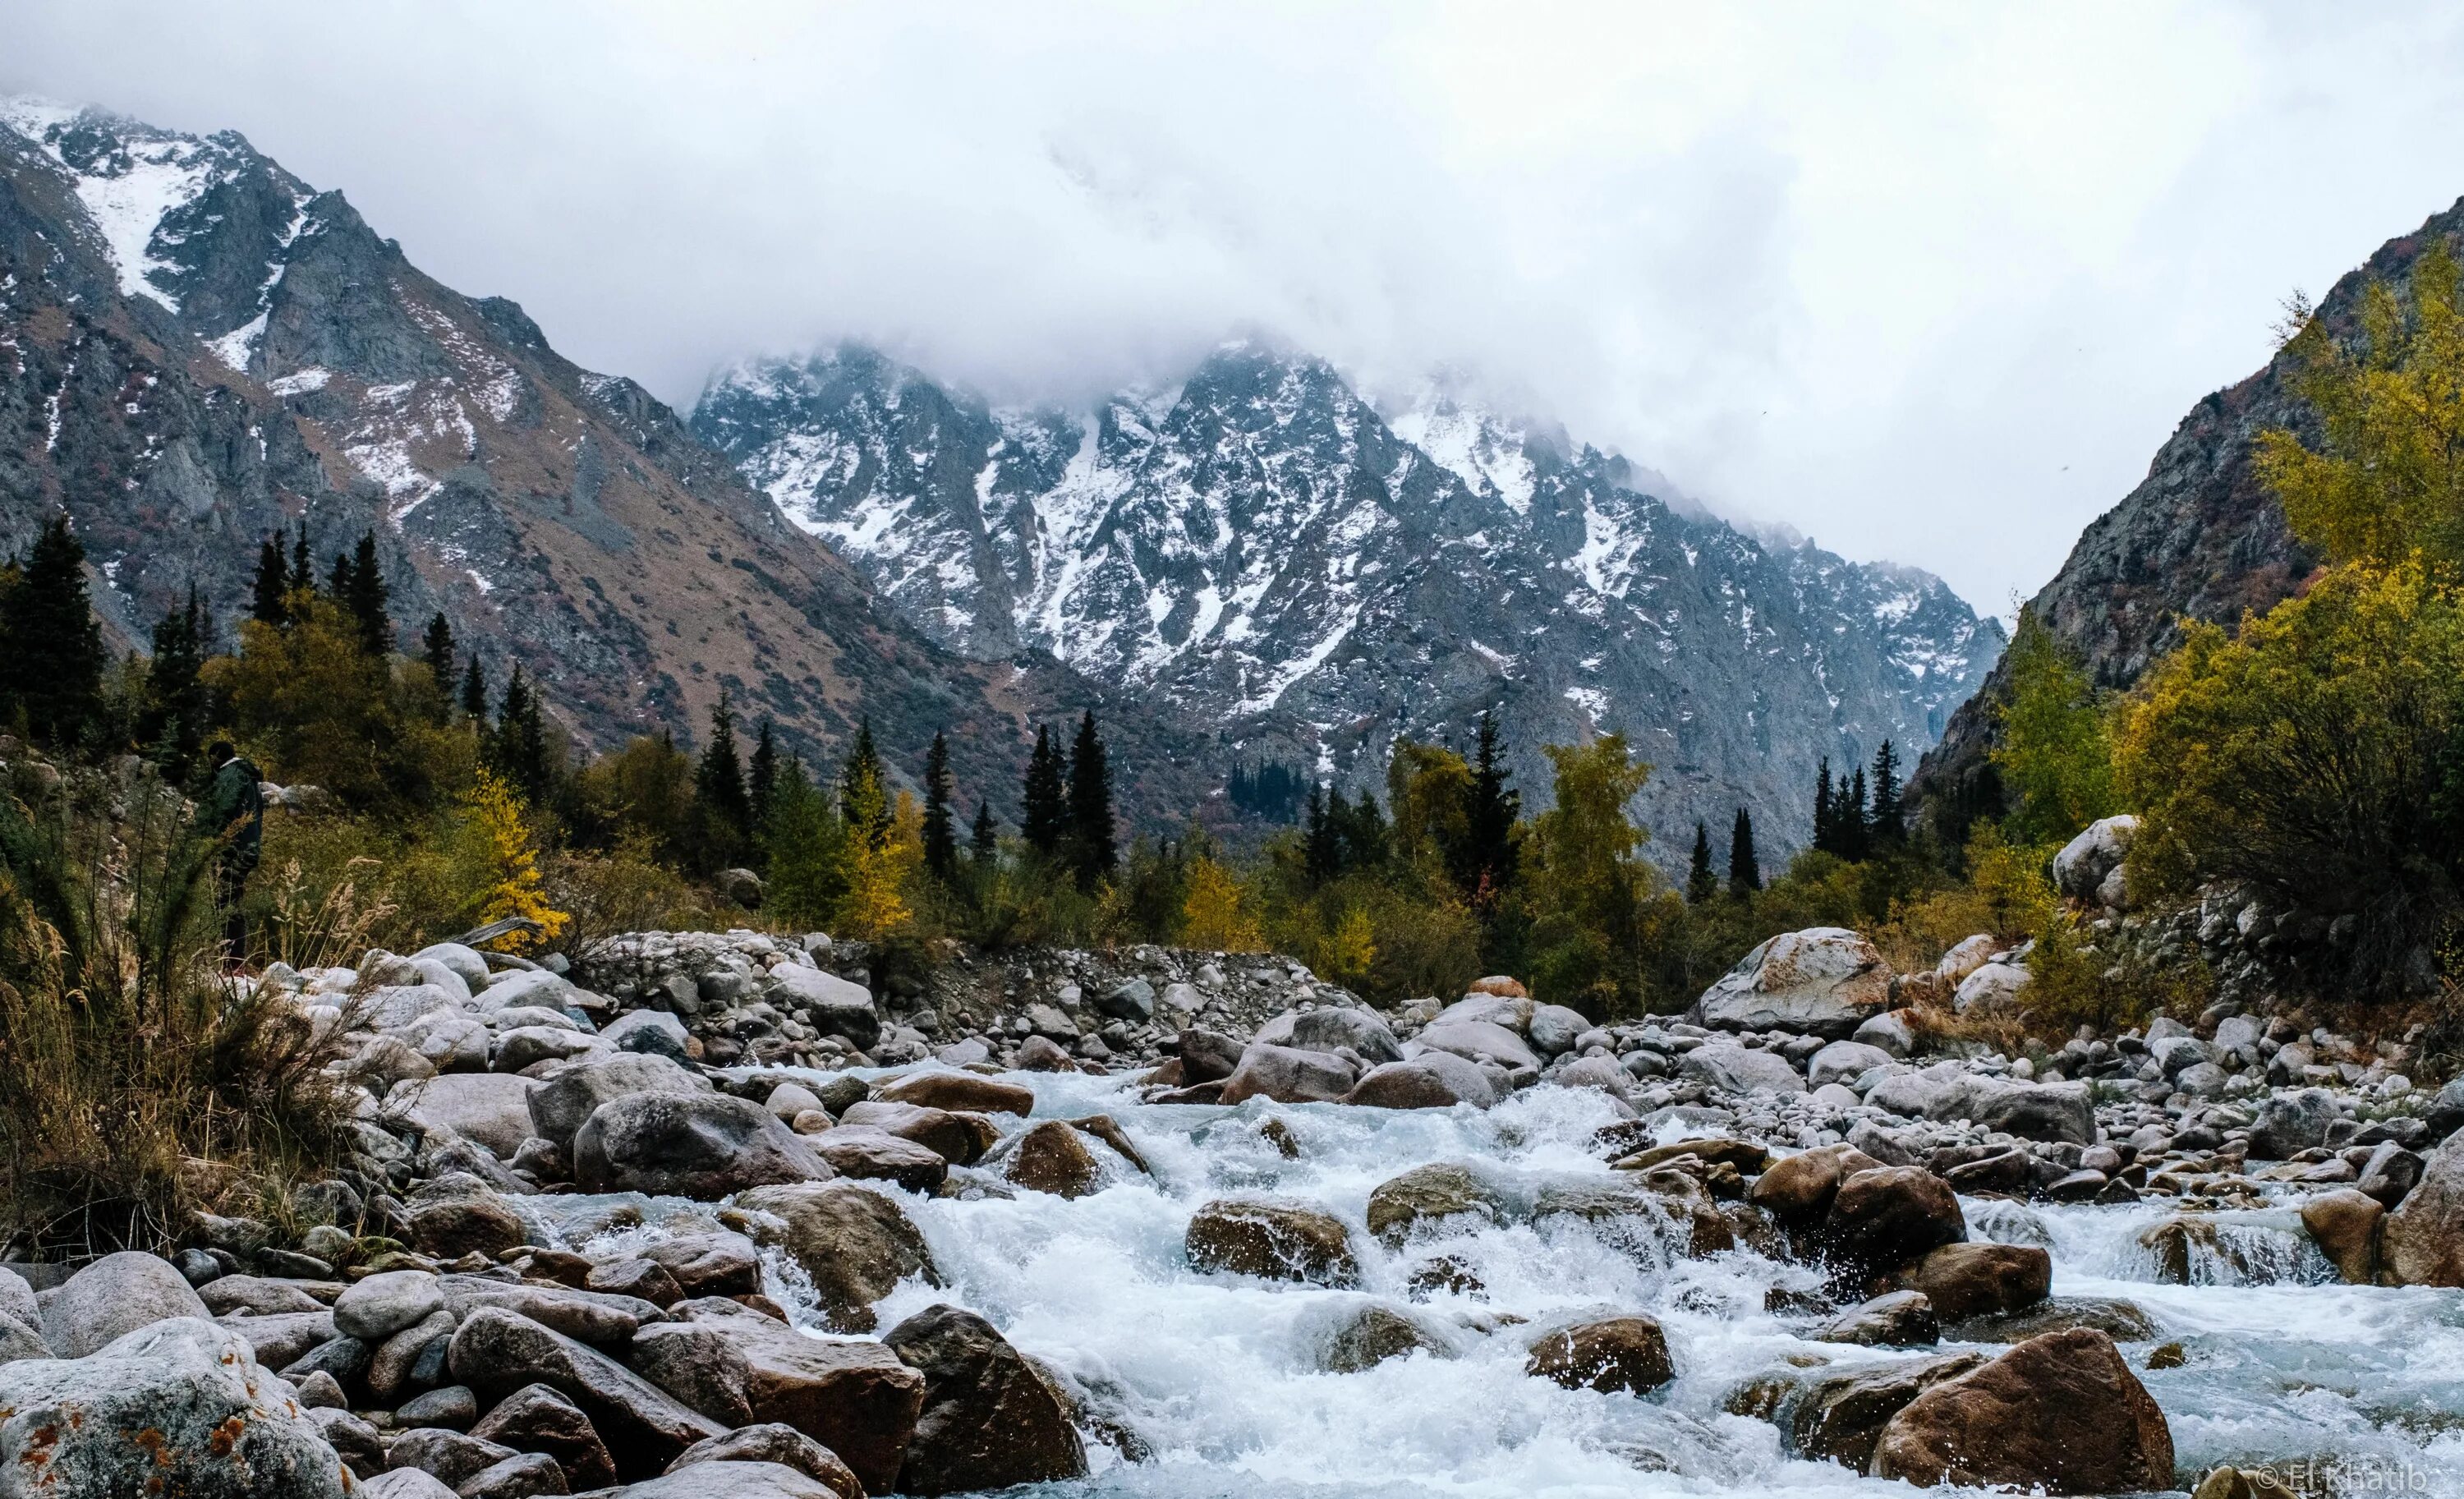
<point x="235" y="808"/>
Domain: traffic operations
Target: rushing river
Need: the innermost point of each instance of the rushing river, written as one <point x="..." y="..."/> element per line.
<point x="1222" y="1379"/>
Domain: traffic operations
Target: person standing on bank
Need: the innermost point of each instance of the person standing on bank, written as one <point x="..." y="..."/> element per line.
<point x="233" y="812"/>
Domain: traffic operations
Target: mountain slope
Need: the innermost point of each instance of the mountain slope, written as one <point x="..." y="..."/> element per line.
<point x="199" y="348"/>
<point x="1263" y="547"/>
<point x="2199" y="539"/>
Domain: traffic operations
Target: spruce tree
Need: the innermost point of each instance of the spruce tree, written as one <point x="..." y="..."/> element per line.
<point x="984" y="841"/>
<point x="176" y="703"/>
<point x="304" y="574"/>
<point x="51" y="649"/>
<point x="1888" y="830"/>
<point x="1485" y="863"/>
<point x="1701" y="884"/>
<point x="864" y="789"/>
<point x="762" y="779"/>
<point x="1365" y="837"/>
<point x="518" y="750"/>
<point x="940" y="829"/>
<point x="1094" y="845"/>
<point x="474" y="692"/>
<point x="1826" y="837"/>
<point x="1321" y="843"/>
<point x="436" y="649"/>
<point x="366" y="598"/>
<point x="339" y="579"/>
<point x="718" y="783"/>
<point x="1745" y="871"/>
<point x="1046" y="820"/>
<point x="269" y="592"/>
<point x="1855" y="831"/>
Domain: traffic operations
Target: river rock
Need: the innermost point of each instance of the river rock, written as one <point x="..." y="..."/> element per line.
<point x="2422" y="1241"/>
<point x="1476" y="1039"/>
<point x="958" y="1091"/>
<point x="404" y="1483"/>
<point x="1797" y="1189"/>
<point x="1840" y="1418"/>
<point x="19" y="1341"/>
<point x="383" y="1304"/>
<point x="651" y="1033"/>
<point x="1554" y="1029"/>
<point x="870" y="1154"/>
<point x="989" y="1419"/>
<point x="2290" y="1123"/>
<point x="464" y="1222"/>
<point x="853" y="1395"/>
<point x="178" y="1406"/>
<point x="562" y="1101"/>
<point x="1894" y="1320"/>
<point x="1975" y="1280"/>
<point x="492" y="1109"/>
<point x="2061" y="1413"/>
<point x="1889" y="1216"/>
<point x="2346" y="1226"/>
<point x="1892" y="1032"/>
<point x="729" y="1480"/>
<point x="1845" y="1062"/>
<point x="1823" y="981"/>
<point x="1054" y="1158"/>
<point x="774" y="1442"/>
<point x="958" y="1139"/>
<point x="538" y="1419"/>
<point x="2051" y="1112"/>
<point x="1371" y="1334"/>
<point x="1431" y="1195"/>
<point x="699" y="1364"/>
<point x="853" y="1243"/>
<point x="1333" y="1025"/>
<point x="834" y="1005"/>
<point x="497" y="1352"/>
<point x="1429" y="1080"/>
<point x="1615" y="1355"/>
<point x="1273" y="1242"/>
<point x="1740" y="1069"/>
<point x="1288" y="1074"/>
<point x="1994" y="989"/>
<point x="1207" y="1056"/>
<point x="697" y="1145"/>
<point x="2123" y="1321"/>
<point x="254" y="1295"/>
<point x="112" y="1297"/>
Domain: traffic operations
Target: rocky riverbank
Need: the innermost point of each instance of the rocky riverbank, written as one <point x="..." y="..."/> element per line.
<point x="717" y="1214"/>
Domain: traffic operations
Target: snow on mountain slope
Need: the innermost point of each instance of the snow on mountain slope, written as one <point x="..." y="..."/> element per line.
<point x="1262" y="547"/>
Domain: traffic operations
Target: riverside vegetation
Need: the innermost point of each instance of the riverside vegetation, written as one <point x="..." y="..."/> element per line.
<point x="786" y="1103"/>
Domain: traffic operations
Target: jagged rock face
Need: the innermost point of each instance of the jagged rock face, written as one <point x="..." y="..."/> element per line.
<point x="2200" y="539"/>
<point x="196" y="348"/>
<point x="1260" y="545"/>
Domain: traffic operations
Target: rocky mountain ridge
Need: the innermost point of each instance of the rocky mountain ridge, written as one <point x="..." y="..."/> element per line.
<point x="199" y="348"/>
<point x="1262" y="547"/>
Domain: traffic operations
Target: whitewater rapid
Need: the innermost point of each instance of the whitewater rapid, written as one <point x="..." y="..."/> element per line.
<point x="1221" y="1379"/>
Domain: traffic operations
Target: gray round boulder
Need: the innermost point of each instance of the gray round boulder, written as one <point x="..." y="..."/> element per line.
<point x="1823" y="981"/>
<point x="697" y="1145"/>
<point x="113" y="1296"/>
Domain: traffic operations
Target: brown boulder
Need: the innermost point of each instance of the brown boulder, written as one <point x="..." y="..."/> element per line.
<point x="870" y="1155"/>
<point x="2422" y="1241"/>
<point x="1430" y="1195"/>
<point x="770" y="1442"/>
<point x="697" y="1364"/>
<point x="989" y="1419"/>
<point x="958" y="1138"/>
<point x="959" y="1092"/>
<point x="1840" y="1418"/>
<point x="497" y="1352"/>
<point x="1372" y="1334"/>
<point x="1053" y="1157"/>
<point x="457" y="1226"/>
<point x="852" y="1395"/>
<point x="853" y="1243"/>
<point x="1271" y="1242"/>
<point x="1627" y="1355"/>
<point x="1975" y="1280"/>
<point x="2345" y="1225"/>
<point x="1889" y="1215"/>
<point x="2061" y="1413"/>
<point x="537" y="1418"/>
<point x="1797" y="1189"/>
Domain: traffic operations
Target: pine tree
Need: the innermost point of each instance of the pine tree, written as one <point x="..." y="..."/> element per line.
<point x="1856" y="837"/>
<point x="176" y="703"/>
<point x="1745" y="871"/>
<point x="718" y="781"/>
<point x="1367" y="840"/>
<point x="940" y="829"/>
<point x="366" y="597"/>
<point x="474" y="692"/>
<point x="864" y="790"/>
<point x="1826" y="837"/>
<point x="1321" y="843"/>
<point x="1094" y="845"/>
<point x="270" y="591"/>
<point x="51" y="649"/>
<point x="339" y="579"/>
<point x="1888" y="830"/>
<point x="518" y="750"/>
<point x="762" y="779"/>
<point x="1701" y="884"/>
<point x="1045" y="821"/>
<point x="984" y="842"/>
<point x="1484" y="865"/>
<point x="436" y="649"/>
<point x="304" y="574"/>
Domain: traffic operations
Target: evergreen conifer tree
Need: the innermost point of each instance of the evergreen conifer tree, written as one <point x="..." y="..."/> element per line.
<point x="1826" y="837"/>
<point x="762" y="779"/>
<point x="1701" y="884"/>
<point x="304" y="574"/>
<point x="270" y="591"/>
<point x="940" y="828"/>
<point x="1366" y="839"/>
<point x="1046" y="820"/>
<point x="176" y="705"/>
<point x="1321" y="843"/>
<point x="1855" y="839"/>
<point x="366" y="597"/>
<point x="984" y="841"/>
<point x="518" y="750"/>
<point x="1094" y="845"/>
<point x="864" y="789"/>
<point x="1745" y="870"/>
<point x="474" y="692"/>
<point x="718" y="784"/>
<point x="436" y="649"/>
<point x="339" y="579"/>
<point x="51" y="649"/>
<point x="1485" y="863"/>
<point x="1888" y="830"/>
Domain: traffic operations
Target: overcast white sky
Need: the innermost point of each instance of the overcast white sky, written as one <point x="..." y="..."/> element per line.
<point x="1928" y="282"/>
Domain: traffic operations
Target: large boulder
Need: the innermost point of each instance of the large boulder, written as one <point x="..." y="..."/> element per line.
<point x="1333" y="1025"/>
<point x="2053" y="1112"/>
<point x="1271" y="1241"/>
<point x="381" y="1305"/>
<point x="497" y="1352"/>
<point x="2085" y="862"/>
<point x="1994" y="989"/>
<point x="725" y="1479"/>
<point x="178" y="1408"/>
<point x="989" y="1419"/>
<point x="1889" y="1216"/>
<point x="834" y="1005"/>
<point x="112" y="1297"/>
<point x="2422" y="1241"/>
<point x="1733" y="1069"/>
<point x="1619" y="1355"/>
<point x="1053" y="1157"/>
<point x="959" y="1092"/>
<point x="873" y="1155"/>
<point x="853" y="1395"/>
<point x="1431" y="1195"/>
<point x="2060" y="1414"/>
<point x="2289" y="1123"/>
<point x="1430" y="1080"/>
<point x="697" y="1145"/>
<point x="493" y="1109"/>
<point x="1845" y="1062"/>
<point x="1475" y="1040"/>
<point x="537" y="1418"/>
<point x="2344" y="1224"/>
<point x="1288" y="1074"/>
<point x="1823" y="981"/>
<point x="1840" y="1418"/>
<point x="562" y="1102"/>
<point x="853" y="1243"/>
<point x="774" y="1442"/>
<point x="958" y="1138"/>
<point x="1975" y="1280"/>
